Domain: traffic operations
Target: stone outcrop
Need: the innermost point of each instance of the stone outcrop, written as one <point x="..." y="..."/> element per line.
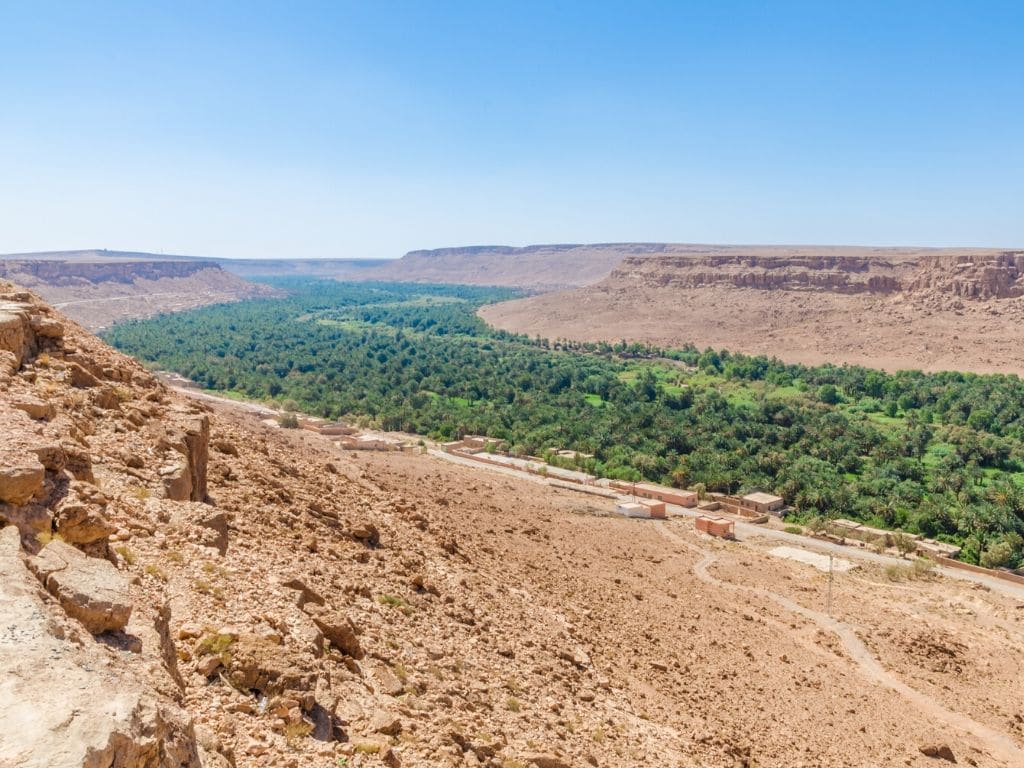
<point x="188" y="436"/>
<point x="98" y="288"/>
<point x="971" y="274"/>
<point x="89" y="589"/>
<point x="338" y="630"/>
<point x="61" y="704"/>
<point x="21" y="476"/>
<point x="80" y="517"/>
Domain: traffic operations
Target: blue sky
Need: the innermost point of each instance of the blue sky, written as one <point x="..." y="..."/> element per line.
<point x="367" y="129"/>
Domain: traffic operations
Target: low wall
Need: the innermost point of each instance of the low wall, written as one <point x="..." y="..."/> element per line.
<point x="483" y="460"/>
<point x="1005" y="575"/>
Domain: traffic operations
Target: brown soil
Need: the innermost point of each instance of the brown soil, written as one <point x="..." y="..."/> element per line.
<point x="958" y="310"/>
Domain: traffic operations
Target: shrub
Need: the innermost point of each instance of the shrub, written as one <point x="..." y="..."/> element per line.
<point x="794" y="529"/>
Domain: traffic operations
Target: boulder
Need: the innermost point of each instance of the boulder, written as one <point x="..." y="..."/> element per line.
<point x="339" y="631"/>
<point x="938" y="752"/>
<point x="177" y="482"/>
<point x="306" y="593"/>
<point x="46" y="327"/>
<point x="63" y="705"/>
<point x="80" y="516"/>
<point x="547" y="760"/>
<point x="365" y="532"/>
<point x="34" y="407"/>
<point x="21" y="476"/>
<point x="89" y="589"/>
<point x="254" y="663"/>
<point x="80" y="377"/>
<point x="387" y="722"/>
<point x="188" y="435"/>
<point x="16" y="334"/>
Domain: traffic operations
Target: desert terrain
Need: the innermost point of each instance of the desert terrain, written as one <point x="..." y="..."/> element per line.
<point x="933" y="309"/>
<point x="537" y="268"/>
<point x="99" y="288"/>
<point x="188" y="585"/>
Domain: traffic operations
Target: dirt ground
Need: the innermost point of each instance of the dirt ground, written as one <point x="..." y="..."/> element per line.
<point x="699" y="658"/>
<point x="812" y="327"/>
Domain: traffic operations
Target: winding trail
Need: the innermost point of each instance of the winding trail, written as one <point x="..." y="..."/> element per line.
<point x="999" y="744"/>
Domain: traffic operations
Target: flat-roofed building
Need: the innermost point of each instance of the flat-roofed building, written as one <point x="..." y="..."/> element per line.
<point x="763" y="503"/>
<point x="656" y="509"/>
<point x="658" y="492"/>
<point x="632" y="509"/>
<point x="716" y="526"/>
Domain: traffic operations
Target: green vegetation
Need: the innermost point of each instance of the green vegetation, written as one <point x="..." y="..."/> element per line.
<point x="937" y="454"/>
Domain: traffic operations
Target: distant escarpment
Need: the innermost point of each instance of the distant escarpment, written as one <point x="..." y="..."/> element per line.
<point x="104" y="290"/>
<point x="884" y="307"/>
<point x="535" y="267"/>
<point x="971" y="275"/>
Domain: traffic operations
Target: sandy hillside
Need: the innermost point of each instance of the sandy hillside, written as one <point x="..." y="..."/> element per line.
<point x="98" y="290"/>
<point x="934" y="310"/>
<point x="250" y="596"/>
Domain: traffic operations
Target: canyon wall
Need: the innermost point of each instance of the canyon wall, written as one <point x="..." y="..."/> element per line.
<point x="892" y="308"/>
<point x="99" y="292"/>
<point x="970" y="274"/>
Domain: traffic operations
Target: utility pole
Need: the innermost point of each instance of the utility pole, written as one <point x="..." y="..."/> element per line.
<point x="828" y="606"/>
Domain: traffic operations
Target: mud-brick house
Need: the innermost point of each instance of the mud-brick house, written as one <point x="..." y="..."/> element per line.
<point x="763" y="503"/>
<point x="657" y="492"/>
<point x="716" y="526"/>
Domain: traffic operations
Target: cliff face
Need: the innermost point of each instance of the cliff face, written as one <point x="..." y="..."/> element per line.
<point x="102" y="291"/>
<point x="970" y="275"/>
<point x="998" y="276"/>
<point x="841" y="274"/>
<point x="69" y="273"/>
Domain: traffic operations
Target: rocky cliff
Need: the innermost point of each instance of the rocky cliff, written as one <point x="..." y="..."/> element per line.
<point x="57" y="273"/>
<point x="102" y="290"/>
<point x="893" y="308"/>
<point x="971" y="274"/>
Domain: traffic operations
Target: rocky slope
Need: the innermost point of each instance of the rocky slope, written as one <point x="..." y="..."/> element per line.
<point x="100" y="290"/>
<point x="890" y="308"/>
<point x="184" y="586"/>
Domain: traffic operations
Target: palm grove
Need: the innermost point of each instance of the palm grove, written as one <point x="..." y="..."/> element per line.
<point x="938" y="454"/>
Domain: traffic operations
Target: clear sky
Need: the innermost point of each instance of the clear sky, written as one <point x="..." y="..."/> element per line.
<point x="343" y="129"/>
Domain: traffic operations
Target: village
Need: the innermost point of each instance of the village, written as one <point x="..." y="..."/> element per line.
<point x="714" y="514"/>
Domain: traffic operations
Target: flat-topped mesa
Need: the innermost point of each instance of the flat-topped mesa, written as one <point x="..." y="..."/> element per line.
<point x="66" y="273"/>
<point x="835" y="273"/>
<point x="970" y="274"/>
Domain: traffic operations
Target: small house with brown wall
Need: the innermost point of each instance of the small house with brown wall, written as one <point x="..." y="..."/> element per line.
<point x="763" y="503"/>
<point x="716" y="526"/>
<point x="657" y="492"/>
<point x="655" y="509"/>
